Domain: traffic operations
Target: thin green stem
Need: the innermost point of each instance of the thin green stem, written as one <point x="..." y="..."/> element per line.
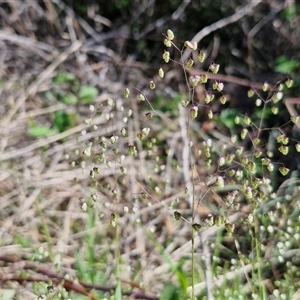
<point x="46" y="232"/>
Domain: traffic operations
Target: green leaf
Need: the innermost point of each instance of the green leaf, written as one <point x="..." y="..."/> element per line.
<point x="286" y="65"/>
<point x="61" y="120"/>
<point x="170" y="292"/>
<point x="87" y="93"/>
<point x="227" y="117"/>
<point x="40" y="131"/>
<point x="69" y="99"/>
<point x="63" y="77"/>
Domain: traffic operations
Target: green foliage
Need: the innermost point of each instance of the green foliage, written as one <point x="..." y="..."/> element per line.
<point x="38" y="131"/>
<point x="87" y="94"/>
<point x="285" y="65"/>
<point x="63" y="120"/>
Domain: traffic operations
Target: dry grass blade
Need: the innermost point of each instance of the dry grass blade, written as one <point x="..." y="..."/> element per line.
<point x="34" y="86"/>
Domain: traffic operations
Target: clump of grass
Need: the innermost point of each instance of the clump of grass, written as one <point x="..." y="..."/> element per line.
<point x="230" y="176"/>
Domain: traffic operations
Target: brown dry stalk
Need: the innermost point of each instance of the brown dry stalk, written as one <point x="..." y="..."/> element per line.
<point x="78" y="286"/>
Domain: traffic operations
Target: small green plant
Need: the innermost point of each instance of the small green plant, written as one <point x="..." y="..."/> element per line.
<point x="229" y="171"/>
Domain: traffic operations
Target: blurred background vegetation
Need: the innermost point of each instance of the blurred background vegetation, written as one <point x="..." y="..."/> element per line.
<point x="59" y="57"/>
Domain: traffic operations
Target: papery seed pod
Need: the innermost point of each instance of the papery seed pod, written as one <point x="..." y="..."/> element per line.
<point x="170" y="34"/>
<point x="237" y="120"/>
<point x="258" y="102"/>
<point x="114" y="139"/>
<point x="236" y="206"/>
<point x="250" y="93"/>
<point x="229" y="158"/>
<point x="185" y="103"/>
<point x="244" y="133"/>
<point x="277" y="97"/>
<point x="177" y="215"/>
<point x="247" y="120"/>
<point x="123" y="131"/>
<point x="194" y="80"/>
<point x="167" y="43"/>
<point x="252" y="166"/>
<point x="239" y="174"/>
<point x="209" y="220"/>
<point x="257" y="153"/>
<point x="289" y="83"/>
<point x="207" y="98"/>
<point x="141" y="97"/>
<point x="221" y="161"/>
<point x="189" y="63"/>
<point x="166" y="56"/>
<point x="265" y="161"/>
<point x="196" y="227"/>
<point x="123" y="170"/>
<point x="223" y="99"/>
<point x="229" y="227"/>
<point x="140" y="136"/>
<point x="208" y="164"/>
<point x="149" y="115"/>
<point x="132" y="150"/>
<point x="161" y="73"/>
<point x="265" y="87"/>
<point x="214" y="67"/>
<point x="157" y="190"/>
<point x="279" y="138"/>
<point x="284" y="149"/>
<point x="256" y="141"/>
<point x="194" y="112"/>
<point x="220" y="181"/>
<point x="295" y="119"/>
<point x="220" y="87"/>
<point x="274" y="110"/>
<point x="284" y="170"/>
<point x="87" y="152"/>
<point x="95" y="197"/>
<point x="233" y="139"/>
<point x="210" y="114"/>
<point x="186" y="191"/>
<point x="126" y="93"/>
<point x="146" y="131"/>
<point x="144" y="196"/>
<point x="152" y="85"/>
<point x="297" y="146"/>
<point x="203" y="78"/>
<point x="113" y="216"/>
<point x="103" y="145"/>
<point x="244" y="160"/>
<point x="110" y="102"/>
<point x="231" y="172"/>
<point x="270" y="167"/>
<point x="215" y="85"/>
<point x="189" y="45"/>
<point x="250" y="218"/>
<point x="96" y="170"/>
<point x="219" y="220"/>
<point x="201" y="56"/>
<point x="84" y="207"/>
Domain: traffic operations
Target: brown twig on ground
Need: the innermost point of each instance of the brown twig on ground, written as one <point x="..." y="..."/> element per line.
<point x="78" y="287"/>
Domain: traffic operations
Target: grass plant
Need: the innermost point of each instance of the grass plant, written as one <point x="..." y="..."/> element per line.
<point x="155" y="191"/>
